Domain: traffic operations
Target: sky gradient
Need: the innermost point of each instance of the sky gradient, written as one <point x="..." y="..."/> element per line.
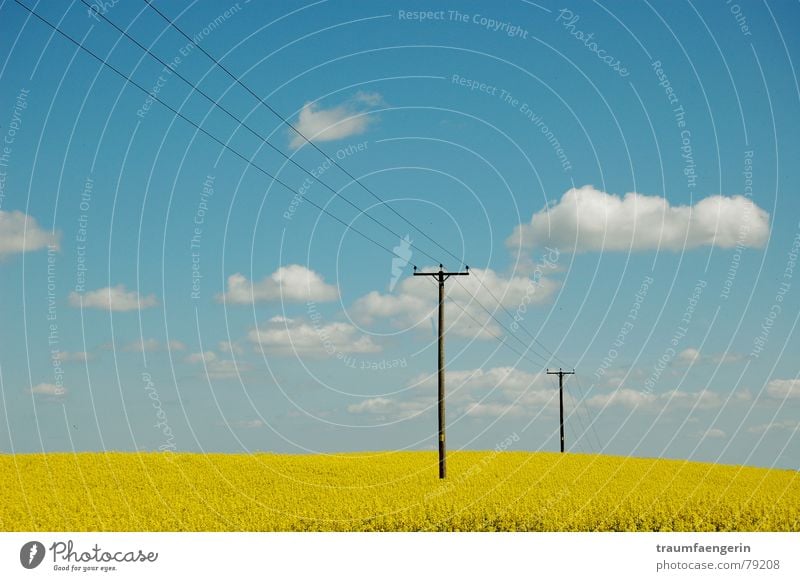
<point x="619" y="180"/>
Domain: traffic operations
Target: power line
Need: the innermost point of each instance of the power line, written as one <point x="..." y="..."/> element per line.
<point x="579" y="437"/>
<point x="497" y="337"/>
<point x="592" y="422"/>
<point x="528" y="348"/>
<point x="205" y="132"/>
<point x="242" y="123"/>
<point x="275" y="179"/>
<point x="519" y="323"/>
<point x="283" y="119"/>
<point x="265" y="140"/>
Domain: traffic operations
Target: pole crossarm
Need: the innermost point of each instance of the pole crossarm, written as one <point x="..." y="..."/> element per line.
<point x="441" y="276"/>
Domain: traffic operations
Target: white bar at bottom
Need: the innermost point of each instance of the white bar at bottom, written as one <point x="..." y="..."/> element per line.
<point x="389" y="556"/>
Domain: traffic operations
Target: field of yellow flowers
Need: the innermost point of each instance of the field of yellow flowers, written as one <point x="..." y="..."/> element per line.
<point x="387" y="491"/>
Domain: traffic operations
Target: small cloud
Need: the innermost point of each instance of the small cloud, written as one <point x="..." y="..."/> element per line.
<point x="247" y="424"/>
<point x="631" y="398"/>
<point x="116" y="298"/>
<point x="20" y="233"/>
<point x="692" y="356"/>
<point x="153" y="345"/>
<point x="215" y="367"/>
<point x="714" y="433"/>
<point x="784" y="388"/>
<point x="345" y="120"/>
<point x="206" y="356"/>
<point x="292" y="283"/>
<point x="282" y="336"/>
<point x="688" y="356"/>
<point x="230" y="348"/>
<point x="371" y="99"/>
<point x="49" y="391"/>
<point x="175" y="345"/>
<point x="73" y="356"/>
<point x="783" y="425"/>
<point x="394" y="408"/>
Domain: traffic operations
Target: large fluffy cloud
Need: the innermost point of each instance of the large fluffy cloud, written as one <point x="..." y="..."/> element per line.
<point x="339" y="122"/>
<point x="415" y="300"/>
<point x="113" y="298"/>
<point x="22" y="233"/>
<point x="293" y="283"/>
<point x="587" y="219"/>
<point x="283" y="336"/>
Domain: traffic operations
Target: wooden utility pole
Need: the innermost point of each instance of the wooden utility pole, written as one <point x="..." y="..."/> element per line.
<point x="441" y="276"/>
<point x="561" y="375"/>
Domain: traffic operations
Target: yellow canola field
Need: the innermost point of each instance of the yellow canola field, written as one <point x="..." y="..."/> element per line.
<point x="388" y="491"/>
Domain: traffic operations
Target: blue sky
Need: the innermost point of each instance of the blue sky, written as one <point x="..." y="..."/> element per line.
<point x="619" y="178"/>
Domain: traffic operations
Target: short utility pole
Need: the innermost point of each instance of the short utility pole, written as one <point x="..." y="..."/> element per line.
<point x="441" y="276"/>
<point x="561" y="375"/>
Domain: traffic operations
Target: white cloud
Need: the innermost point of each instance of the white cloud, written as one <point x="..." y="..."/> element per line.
<point x="494" y="409"/>
<point x="345" y="120"/>
<point x="216" y="367"/>
<point x="586" y="219"/>
<point x="787" y="425"/>
<point x="723" y="358"/>
<point x="373" y="99"/>
<point x="49" y="390"/>
<point x="617" y="376"/>
<point x="231" y="348"/>
<point x="247" y="424"/>
<point x="392" y="408"/>
<point x="113" y="298"/>
<point x="284" y="336"/>
<point x="631" y="398"/>
<point x="509" y="380"/>
<point x="784" y="388"/>
<point x="72" y="356"/>
<point x="206" y="356"/>
<point x="690" y="356"/>
<point x="22" y="233"/>
<point x="714" y="433"/>
<point x="152" y="345"/>
<point x="473" y="392"/>
<point x="414" y="302"/>
<point x="292" y="283"/>
<point x="625" y="397"/>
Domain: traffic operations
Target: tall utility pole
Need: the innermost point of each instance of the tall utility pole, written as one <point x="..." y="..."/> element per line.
<point x="441" y="276"/>
<point x="561" y="375"/>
